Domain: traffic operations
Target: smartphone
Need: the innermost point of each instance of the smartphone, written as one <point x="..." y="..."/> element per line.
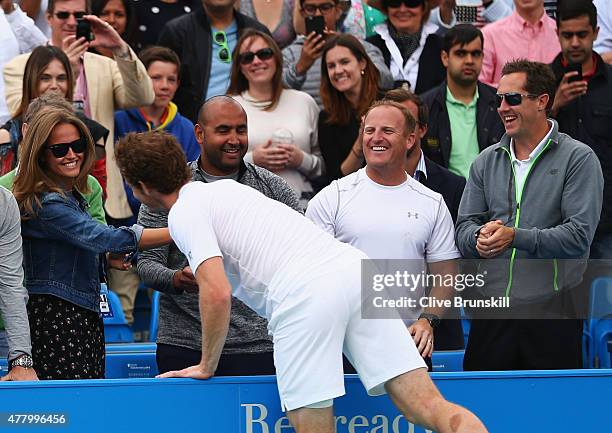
<point x="571" y="67"/>
<point x="84" y="30"/>
<point x="129" y="257"/>
<point x="315" y="24"/>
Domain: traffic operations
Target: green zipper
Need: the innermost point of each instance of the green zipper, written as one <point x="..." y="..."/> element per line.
<point x="518" y="197"/>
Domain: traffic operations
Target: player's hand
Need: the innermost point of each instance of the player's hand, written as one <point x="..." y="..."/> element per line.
<point x="567" y="92"/>
<point x="422" y="334"/>
<point x="194" y="372"/>
<point x="311" y="51"/>
<point x="273" y="158"/>
<point x="295" y="155"/>
<point x="20" y="373"/>
<point x="185" y="280"/>
<point x="118" y="261"/>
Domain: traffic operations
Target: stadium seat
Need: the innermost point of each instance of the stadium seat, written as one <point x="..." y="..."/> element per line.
<point x="599" y="325"/>
<point x="154" y="316"/>
<point x="116" y="329"/>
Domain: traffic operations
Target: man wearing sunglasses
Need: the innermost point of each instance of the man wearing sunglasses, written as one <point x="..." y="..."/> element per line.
<point x="531" y="200"/>
<point x="302" y="59"/>
<point x="204" y="41"/>
<point x="462" y="117"/>
<point x="103" y="85"/>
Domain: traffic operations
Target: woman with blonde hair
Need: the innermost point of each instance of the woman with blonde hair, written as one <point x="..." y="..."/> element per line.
<point x="62" y="245"/>
<point x="282" y="123"/>
<point x="47" y="70"/>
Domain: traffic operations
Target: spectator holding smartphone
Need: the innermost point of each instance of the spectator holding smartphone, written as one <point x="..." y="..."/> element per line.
<point x="583" y="107"/>
<point x="103" y="85"/>
<point x="302" y="59"/>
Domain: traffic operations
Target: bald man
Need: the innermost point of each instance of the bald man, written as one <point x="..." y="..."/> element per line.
<point x="221" y="132"/>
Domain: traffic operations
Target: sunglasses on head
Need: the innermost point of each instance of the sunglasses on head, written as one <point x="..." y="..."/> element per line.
<point x="247" y="57"/>
<point x="512" y="98"/>
<point x="61" y="149"/>
<point x="64" y="15"/>
<point x="407" y="3"/>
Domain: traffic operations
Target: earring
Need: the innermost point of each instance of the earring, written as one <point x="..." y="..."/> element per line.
<point x="363" y="72"/>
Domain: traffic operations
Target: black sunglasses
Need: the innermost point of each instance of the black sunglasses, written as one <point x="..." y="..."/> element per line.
<point x="61" y="149"/>
<point x="512" y="98"/>
<point x="247" y="58"/>
<point x="407" y="3"/>
<point x="64" y="15"/>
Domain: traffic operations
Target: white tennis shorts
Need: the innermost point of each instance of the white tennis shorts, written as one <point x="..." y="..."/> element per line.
<point x="314" y="325"/>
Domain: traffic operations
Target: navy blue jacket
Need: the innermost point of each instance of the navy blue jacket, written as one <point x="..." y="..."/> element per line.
<point x="588" y="118"/>
<point x="438" y="141"/>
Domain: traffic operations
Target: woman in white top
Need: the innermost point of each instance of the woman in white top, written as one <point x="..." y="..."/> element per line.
<point x="282" y="122"/>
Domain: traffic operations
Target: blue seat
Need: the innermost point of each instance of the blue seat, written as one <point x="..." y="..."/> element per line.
<point x="154" y="324"/>
<point x="598" y="329"/>
<point x="447" y="360"/>
<point x="116" y="329"/>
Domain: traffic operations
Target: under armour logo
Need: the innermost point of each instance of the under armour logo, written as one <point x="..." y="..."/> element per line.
<point x="415" y="215"/>
<point x="554" y="171"/>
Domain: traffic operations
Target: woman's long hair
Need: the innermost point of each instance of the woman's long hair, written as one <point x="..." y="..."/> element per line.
<point x="239" y="83"/>
<point x="37" y="63"/>
<point x="32" y="177"/>
<point x="130" y="35"/>
<point x="335" y="103"/>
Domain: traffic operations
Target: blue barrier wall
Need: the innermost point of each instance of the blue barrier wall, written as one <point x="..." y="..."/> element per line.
<point x="510" y="402"/>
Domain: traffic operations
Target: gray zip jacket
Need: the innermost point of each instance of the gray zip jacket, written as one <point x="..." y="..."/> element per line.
<point x="13" y="295"/>
<point x="556" y="217"/>
<point x="179" y="313"/>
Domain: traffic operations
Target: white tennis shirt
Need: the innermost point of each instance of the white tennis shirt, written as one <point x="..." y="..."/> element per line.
<point x="268" y="249"/>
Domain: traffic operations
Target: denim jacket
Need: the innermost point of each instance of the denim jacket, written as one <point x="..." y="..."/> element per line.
<point x="61" y="247"/>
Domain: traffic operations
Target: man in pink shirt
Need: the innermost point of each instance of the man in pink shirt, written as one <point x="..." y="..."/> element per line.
<point x="526" y="34"/>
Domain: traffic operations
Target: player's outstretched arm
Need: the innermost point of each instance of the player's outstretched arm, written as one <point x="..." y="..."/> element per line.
<point x="215" y="305"/>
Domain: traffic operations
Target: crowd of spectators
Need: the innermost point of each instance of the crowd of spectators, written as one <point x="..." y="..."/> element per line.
<point x="507" y="99"/>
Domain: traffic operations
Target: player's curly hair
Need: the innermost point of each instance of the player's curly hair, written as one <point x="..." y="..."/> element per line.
<point x="154" y="158"/>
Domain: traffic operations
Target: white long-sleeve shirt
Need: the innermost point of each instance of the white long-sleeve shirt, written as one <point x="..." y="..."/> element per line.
<point x="18" y="34"/>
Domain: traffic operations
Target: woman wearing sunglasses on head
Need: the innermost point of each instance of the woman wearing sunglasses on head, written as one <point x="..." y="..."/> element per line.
<point x="410" y="44"/>
<point x="62" y="244"/>
<point x="282" y="123"/>
<point x="47" y="71"/>
<point x="348" y="88"/>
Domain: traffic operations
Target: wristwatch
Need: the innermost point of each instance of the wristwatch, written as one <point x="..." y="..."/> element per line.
<point x="431" y="318"/>
<point x="24" y="361"/>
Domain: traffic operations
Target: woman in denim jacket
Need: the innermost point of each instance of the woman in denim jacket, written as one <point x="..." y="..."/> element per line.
<point x="62" y="244"/>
